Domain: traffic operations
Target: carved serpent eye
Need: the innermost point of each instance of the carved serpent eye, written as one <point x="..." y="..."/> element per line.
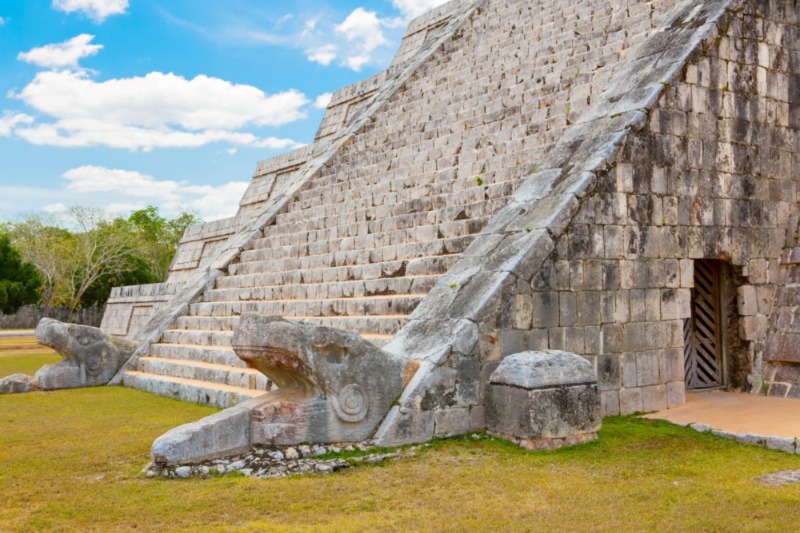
<point x="84" y="340"/>
<point x="93" y="364"/>
<point x="351" y="404"/>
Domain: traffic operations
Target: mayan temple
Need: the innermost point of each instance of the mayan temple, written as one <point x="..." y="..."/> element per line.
<point x="615" y="179"/>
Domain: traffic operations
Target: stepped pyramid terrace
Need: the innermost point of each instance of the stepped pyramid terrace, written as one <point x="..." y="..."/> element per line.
<point x="541" y="213"/>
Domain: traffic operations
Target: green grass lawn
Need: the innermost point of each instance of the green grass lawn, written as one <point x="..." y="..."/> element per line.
<point x="21" y="355"/>
<point x="71" y="460"/>
<point x="25" y="364"/>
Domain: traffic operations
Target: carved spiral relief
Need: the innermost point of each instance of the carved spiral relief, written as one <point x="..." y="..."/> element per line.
<point x="351" y="403"/>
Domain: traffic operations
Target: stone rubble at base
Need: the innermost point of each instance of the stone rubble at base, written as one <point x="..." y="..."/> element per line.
<point x="16" y="384"/>
<point x="280" y="461"/>
<point x="784" y="477"/>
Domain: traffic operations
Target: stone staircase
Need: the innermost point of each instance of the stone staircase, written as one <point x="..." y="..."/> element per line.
<point x="346" y="255"/>
<point x="382" y="216"/>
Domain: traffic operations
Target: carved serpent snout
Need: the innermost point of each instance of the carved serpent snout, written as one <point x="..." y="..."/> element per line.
<point x="349" y="383"/>
<point x="91" y="357"/>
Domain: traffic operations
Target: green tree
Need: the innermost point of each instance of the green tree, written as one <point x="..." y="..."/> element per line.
<point x="160" y="238"/>
<point x="83" y="253"/>
<point x="19" y="281"/>
<point x="49" y="249"/>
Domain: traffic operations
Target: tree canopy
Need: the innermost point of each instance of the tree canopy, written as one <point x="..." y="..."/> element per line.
<point x="79" y="255"/>
<point x="19" y="281"/>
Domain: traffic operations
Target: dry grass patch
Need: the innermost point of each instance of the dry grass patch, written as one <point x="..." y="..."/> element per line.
<point x="20" y="346"/>
<point x="71" y="460"/>
<point x="23" y="355"/>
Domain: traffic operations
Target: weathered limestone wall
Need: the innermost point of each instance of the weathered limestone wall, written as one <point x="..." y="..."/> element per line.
<point x="711" y="176"/>
<point x="270" y="176"/>
<point x="782" y="354"/>
<point x="199" y="245"/>
<point x="420" y="29"/>
<point x="347" y="102"/>
<point x="129" y="308"/>
<point x="479" y="310"/>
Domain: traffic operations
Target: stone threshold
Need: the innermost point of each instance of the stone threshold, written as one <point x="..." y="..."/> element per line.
<point x="758" y="420"/>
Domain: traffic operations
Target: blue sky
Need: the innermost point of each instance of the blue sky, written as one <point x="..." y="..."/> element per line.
<point x="128" y="103"/>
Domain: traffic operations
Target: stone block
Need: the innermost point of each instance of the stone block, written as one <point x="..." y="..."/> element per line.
<point x="747" y="300"/>
<point x="544" y="399"/>
<point x="630" y="401"/>
<point x="676" y="394"/>
<point x="609" y="401"/>
<point x="452" y="421"/>
<point x="15" y="384"/>
<point x="753" y="328"/>
<point x="654" y="398"/>
<point x="781" y="443"/>
<point x="609" y="375"/>
<point x="647" y="368"/>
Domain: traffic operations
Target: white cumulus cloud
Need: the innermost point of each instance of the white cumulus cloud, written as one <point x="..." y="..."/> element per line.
<point x="2" y="21"/>
<point x="323" y="100"/>
<point x="10" y="120"/>
<point x="89" y="178"/>
<point x="363" y="29"/>
<point x="415" y="8"/>
<point x="324" y="55"/>
<point x="212" y="202"/>
<point x="96" y="10"/>
<point x="64" y="54"/>
<point x="132" y="190"/>
<point x="154" y="111"/>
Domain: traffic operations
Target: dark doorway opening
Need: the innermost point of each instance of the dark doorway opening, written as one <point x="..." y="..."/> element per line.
<point x="704" y="352"/>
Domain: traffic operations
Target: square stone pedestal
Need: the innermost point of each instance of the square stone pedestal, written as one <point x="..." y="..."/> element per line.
<point x="544" y="400"/>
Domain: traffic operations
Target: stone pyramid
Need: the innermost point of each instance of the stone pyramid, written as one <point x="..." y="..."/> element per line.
<point x="526" y="174"/>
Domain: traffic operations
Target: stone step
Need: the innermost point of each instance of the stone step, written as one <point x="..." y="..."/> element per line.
<point x="385" y="218"/>
<point x="189" y="390"/>
<point x="366" y="235"/>
<point x="218" y="331"/>
<point x="403" y="304"/>
<point x="212" y="335"/>
<point x="343" y="289"/>
<point x="224" y="355"/>
<point x="245" y="378"/>
<point x="378" y="340"/>
<point x="297" y="271"/>
<point x="219" y="355"/>
<point x="365" y="326"/>
<point x="335" y="256"/>
<point x="331" y="189"/>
